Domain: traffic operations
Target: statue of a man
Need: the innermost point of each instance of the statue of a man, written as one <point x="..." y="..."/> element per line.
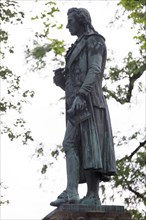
<point x="88" y="140"/>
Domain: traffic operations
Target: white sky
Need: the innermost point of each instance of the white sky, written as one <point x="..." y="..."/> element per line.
<point x="19" y="171"/>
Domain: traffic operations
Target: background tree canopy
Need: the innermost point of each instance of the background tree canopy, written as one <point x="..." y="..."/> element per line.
<point x="13" y="97"/>
<point x="123" y="83"/>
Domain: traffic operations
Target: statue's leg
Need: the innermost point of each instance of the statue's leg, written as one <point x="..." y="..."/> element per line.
<point x="92" y="197"/>
<point x="92" y="183"/>
<point x="72" y="167"/>
<point x="70" y="145"/>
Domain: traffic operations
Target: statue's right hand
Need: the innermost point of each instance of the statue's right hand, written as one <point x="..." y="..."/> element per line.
<point x="79" y="104"/>
<point x="57" y="79"/>
<point x="58" y="76"/>
<point x="58" y="71"/>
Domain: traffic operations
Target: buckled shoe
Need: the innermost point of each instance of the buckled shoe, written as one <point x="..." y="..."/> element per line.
<point x="65" y="198"/>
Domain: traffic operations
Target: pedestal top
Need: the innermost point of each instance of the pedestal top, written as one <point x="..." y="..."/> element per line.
<point x="86" y="212"/>
<point x="88" y="208"/>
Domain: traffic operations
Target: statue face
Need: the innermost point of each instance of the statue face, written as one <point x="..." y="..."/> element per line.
<point x="73" y="24"/>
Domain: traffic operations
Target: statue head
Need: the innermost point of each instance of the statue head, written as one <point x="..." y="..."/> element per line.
<point x="82" y="19"/>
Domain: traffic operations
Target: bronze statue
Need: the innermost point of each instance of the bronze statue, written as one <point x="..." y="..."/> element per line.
<point x="88" y="141"/>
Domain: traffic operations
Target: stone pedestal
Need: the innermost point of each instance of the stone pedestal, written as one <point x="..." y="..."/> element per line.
<point x="84" y="212"/>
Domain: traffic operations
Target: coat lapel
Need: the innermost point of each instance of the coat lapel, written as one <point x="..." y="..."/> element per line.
<point x="76" y="51"/>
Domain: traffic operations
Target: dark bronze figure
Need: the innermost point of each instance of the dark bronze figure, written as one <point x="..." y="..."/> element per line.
<point x="88" y="141"/>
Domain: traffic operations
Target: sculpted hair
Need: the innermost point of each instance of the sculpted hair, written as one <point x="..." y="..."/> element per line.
<point x="83" y="17"/>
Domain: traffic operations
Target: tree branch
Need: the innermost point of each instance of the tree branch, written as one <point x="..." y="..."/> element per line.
<point x="137" y="149"/>
<point x="132" y="80"/>
<point x="113" y="95"/>
<point x="135" y="192"/>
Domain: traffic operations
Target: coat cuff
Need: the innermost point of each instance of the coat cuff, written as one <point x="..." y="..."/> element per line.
<point x="82" y="95"/>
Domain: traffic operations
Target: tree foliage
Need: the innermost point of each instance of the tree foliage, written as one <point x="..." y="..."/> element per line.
<point x="125" y="78"/>
<point x="13" y="96"/>
<point x="43" y="43"/>
<point x="2" y="197"/>
<point x="130" y="179"/>
<point x="133" y="66"/>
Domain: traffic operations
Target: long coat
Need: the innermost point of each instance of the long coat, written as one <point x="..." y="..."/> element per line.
<point x="85" y="64"/>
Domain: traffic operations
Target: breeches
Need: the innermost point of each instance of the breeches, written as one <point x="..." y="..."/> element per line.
<point x="72" y="138"/>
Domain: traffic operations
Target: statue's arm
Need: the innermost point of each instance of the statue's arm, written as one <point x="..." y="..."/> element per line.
<point x="96" y="51"/>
